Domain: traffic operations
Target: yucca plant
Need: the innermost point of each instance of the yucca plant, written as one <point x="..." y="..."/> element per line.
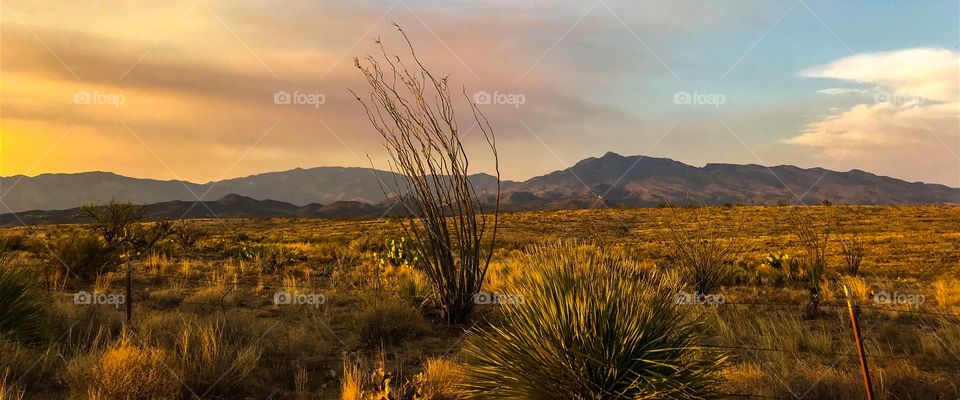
<point x="21" y="307"/>
<point x="814" y="237"/>
<point x="587" y="326"/>
<point x="703" y="250"/>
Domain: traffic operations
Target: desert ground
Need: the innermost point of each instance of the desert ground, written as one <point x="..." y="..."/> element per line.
<point x="331" y="309"/>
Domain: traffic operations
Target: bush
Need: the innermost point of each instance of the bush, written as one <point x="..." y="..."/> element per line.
<point x="587" y="326"/>
<point x="124" y="371"/>
<point x="21" y="308"/>
<point x="388" y="323"/>
<point x="702" y="255"/>
<point x="210" y="361"/>
<point x="813" y="236"/>
<point x="83" y="255"/>
<point x="441" y="380"/>
<point x="187" y="234"/>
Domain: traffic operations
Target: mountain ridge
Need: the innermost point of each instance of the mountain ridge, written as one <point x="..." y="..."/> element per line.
<point x="611" y="180"/>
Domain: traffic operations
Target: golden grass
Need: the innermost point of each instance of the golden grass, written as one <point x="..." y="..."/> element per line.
<point x="126" y="370"/>
<point x="912" y="250"/>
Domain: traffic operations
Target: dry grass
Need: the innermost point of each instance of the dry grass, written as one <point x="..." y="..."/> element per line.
<point x="300" y="351"/>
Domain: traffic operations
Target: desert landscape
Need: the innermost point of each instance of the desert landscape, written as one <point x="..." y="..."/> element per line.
<point x="206" y="320"/>
<point x="414" y="200"/>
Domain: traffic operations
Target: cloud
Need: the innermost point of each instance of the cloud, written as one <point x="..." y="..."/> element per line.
<point x="899" y="132"/>
<point x="843" y="91"/>
<point x="925" y="72"/>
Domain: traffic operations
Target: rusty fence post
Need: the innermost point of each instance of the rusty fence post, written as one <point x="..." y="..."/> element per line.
<point x="856" y="335"/>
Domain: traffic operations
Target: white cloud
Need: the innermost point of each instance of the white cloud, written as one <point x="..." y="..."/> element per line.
<point x="897" y="132"/>
<point x="843" y="91"/>
<point x="924" y="72"/>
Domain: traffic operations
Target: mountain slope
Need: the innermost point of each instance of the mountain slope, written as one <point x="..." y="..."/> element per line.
<point x="610" y="180"/>
<point x="639" y="180"/>
<point x="299" y="186"/>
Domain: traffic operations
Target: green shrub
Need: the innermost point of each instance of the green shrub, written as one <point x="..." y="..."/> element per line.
<point x="21" y="307"/>
<point x="397" y="253"/>
<point x="267" y="259"/>
<point x="586" y="326"/>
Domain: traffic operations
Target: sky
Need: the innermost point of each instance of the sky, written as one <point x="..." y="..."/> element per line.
<point x="196" y="90"/>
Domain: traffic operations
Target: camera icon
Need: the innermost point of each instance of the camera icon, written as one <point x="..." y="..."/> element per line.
<point x="282" y="97"/>
<point x="82" y="97"/>
<point x="682" y="97"/>
<point x="82" y="297"/>
<point x="483" y="97"/>
<point x="282" y="298"/>
<point x="881" y="98"/>
<point x="483" y="298"/>
<point x="881" y="297"/>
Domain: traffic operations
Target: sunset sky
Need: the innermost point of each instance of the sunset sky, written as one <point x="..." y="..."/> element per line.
<point x="185" y="89"/>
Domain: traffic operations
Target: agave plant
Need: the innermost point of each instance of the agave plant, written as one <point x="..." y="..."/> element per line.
<point x="21" y="308"/>
<point x="588" y="326"/>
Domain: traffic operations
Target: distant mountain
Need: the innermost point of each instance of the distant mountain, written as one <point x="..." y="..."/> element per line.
<point x="643" y="181"/>
<point x="229" y="206"/>
<point x="334" y="192"/>
<point x="323" y="185"/>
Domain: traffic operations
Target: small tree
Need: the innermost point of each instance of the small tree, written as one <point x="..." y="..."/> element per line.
<point x="414" y="112"/>
<point x="113" y="220"/>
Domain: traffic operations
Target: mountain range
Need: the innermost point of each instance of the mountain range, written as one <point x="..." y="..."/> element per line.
<point x="339" y="192"/>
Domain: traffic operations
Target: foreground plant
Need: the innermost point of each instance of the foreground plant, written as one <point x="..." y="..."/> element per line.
<point x="451" y="231"/>
<point x="586" y="327"/>
<point x="21" y="307"/>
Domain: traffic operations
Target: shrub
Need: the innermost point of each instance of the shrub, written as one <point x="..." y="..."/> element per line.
<point x="21" y="307"/>
<point x="125" y="371"/>
<point x="83" y="255"/>
<point x="187" y="234"/>
<point x="701" y="252"/>
<point x="813" y="238"/>
<point x="388" y="323"/>
<point x="454" y="229"/>
<point x="211" y="362"/>
<point x="852" y="251"/>
<point x="267" y="259"/>
<point x="441" y="380"/>
<point x="588" y="326"/>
